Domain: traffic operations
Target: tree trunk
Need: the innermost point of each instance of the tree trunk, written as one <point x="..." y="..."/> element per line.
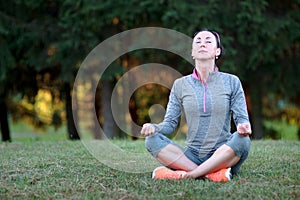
<point x="72" y="131"/>
<point x="97" y="135"/>
<point x="4" y="122"/>
<point x="134" y="117"/>
<point x="255" y="89"/>
<point x="109" y="125"/>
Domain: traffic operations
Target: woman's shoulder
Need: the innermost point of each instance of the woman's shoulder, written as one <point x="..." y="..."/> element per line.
<point x="229" y="76"/>
<point x="182" y="82"/>
<point x="232" y="81"/>
<point x="183" y="79"/>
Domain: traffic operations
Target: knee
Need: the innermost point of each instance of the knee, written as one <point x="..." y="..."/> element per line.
<point x="245" y="146"/>
<point x="149" y="141"/>
<point x="243" y="141"/>
<point x="246" y="141"/>
<point x="155" y="143"/>
<point x="240" y="145"/>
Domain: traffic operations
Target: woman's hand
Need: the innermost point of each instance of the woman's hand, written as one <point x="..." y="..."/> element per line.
<point x="244" y="129"/>
<point x="147" y="130"/>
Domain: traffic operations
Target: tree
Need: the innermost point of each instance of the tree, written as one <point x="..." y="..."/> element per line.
<point x="4" y="122"/>
<point x="259" y="39"/>
<point x="30" y="30"/>
<point x="6" y="65"/>
<point x="38" y="36"/>
<point x="264" y="36"/>
<point x="256" y="36"/>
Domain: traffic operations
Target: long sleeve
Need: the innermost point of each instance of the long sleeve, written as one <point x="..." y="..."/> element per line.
<point x="238" y="103"/>
<point x="173" y="113"/>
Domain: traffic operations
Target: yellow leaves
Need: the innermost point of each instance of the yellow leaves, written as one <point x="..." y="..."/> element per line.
<point x="43" y="108"/>
<point x="51" y="50"/>
<point x="292" y="115"/>
<point x="43" y="105"/>
<point x="115" y="21"/>
<point x="292" y="121"/>
<point x="26" y="104"/>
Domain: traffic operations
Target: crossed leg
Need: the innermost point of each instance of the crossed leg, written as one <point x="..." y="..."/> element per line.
<point x="173" y="157"/>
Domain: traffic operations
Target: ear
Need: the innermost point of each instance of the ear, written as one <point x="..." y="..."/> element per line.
<point x="193" y="54"/>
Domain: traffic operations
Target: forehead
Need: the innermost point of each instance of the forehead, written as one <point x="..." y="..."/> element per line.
<point x="204" y="35"/>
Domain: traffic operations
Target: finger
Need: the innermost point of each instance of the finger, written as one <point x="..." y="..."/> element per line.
<point x="145" y="131"/>
<point x="243" y="134"/>
<point x="243" y="128"/>
<point x="150" y="131"/>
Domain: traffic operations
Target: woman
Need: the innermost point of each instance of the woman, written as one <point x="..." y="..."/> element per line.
<point x="209" y="98"/>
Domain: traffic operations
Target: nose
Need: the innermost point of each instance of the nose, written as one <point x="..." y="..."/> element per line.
<point x="202" y="44"/>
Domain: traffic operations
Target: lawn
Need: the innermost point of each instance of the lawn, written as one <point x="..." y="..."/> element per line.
<point x="66" y="170"/>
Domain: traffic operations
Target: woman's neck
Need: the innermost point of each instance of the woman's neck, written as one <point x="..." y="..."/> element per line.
<point x="204" y="68"/>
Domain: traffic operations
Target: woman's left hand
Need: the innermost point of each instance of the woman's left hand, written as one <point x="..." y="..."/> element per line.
<point x="244" y="129"/>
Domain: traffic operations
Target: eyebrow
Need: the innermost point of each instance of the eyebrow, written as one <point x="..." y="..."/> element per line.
<point x="199" y="38"/>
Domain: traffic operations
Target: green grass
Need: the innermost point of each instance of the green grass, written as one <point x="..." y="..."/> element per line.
<point x="281" y="129"/>
<point x="66" y="170"/>
<point x="23" y="132"/>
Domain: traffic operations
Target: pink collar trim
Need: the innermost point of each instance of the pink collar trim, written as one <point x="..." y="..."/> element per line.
<point x="195" y="75"/>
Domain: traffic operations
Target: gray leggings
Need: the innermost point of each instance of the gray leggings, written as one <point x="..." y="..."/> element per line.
<point x="239" y="144"/>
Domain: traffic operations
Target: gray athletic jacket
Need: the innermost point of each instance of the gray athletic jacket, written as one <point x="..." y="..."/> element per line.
<point x="208" y="108"/>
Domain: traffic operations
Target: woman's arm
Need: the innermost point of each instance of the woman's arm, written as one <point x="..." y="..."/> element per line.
<point x="239" y="108"/>
<point x="172" y="115"/>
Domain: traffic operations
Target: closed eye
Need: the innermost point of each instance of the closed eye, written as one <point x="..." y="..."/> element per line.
<point x="205" y="42"/>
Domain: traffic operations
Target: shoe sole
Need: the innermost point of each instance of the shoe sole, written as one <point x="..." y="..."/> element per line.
<point x="228" y="174"/>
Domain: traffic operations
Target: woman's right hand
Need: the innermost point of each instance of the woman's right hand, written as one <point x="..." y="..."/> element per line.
<point x="244" y="129"/>
<point x="147" y="130"/>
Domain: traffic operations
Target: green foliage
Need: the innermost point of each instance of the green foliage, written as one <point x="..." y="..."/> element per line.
<point x="261" y="39"/>
<point x="281" y="130"/>
<point x="264" y="40"/>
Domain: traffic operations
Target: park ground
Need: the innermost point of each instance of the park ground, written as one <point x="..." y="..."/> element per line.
<point x="62" y="169"/>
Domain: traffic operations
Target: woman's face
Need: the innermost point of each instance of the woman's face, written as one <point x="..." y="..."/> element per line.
<point x="205" y="46"/>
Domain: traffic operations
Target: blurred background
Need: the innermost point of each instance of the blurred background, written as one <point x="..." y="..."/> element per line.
<point x="44" y="42"/>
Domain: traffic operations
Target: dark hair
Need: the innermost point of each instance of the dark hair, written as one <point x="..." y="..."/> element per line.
<point x="219" y="45"/>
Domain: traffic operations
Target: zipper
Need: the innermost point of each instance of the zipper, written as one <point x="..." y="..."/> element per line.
<point x="204" y="93"/>
<point x="204" y="96"/>
<point x="216" y="69"/>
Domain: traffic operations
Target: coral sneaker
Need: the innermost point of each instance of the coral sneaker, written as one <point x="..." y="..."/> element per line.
<point x="223" y="175"/>
<point x="166" y="173"/>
